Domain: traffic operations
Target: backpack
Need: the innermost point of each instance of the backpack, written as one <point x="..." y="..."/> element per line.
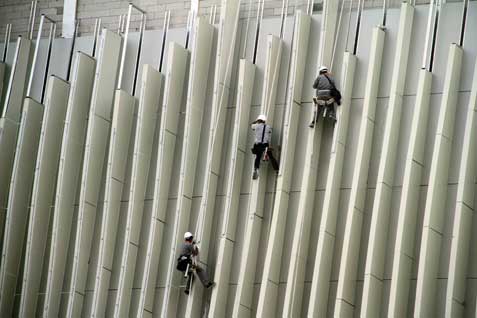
<point x="334" y="92"/>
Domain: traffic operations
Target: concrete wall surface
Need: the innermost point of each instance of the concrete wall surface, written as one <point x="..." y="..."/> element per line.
<point x="368" y="217"/>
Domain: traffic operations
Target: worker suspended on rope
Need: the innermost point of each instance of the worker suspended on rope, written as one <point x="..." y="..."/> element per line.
<point x="326" y="96"/>
<point x="263" y="135"/>
<point x="188" y="263"/>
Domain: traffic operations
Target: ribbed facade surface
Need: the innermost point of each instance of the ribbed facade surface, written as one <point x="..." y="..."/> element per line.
<point x="112" y="147"/>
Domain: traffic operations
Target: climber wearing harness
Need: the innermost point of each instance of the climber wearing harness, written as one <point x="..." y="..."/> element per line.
<point x="263" y="135"/>
<point x="188" y="263"/>
<point x="326" y="95"/>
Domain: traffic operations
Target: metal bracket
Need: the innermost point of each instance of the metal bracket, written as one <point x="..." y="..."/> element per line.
<point x="283" y="16"/>
<point x="465" y="13"/>
<point x="48" y="56"/>
<point x="31" y="19"/>
<point x="165" y="29"/>
<point x="337" y="33"/>
<point x="8" y="32"/>
<point x="12" y="76"/>
<point x="125" y="42"/>
<point x="260" y="7"/>
<point x="97" y="29"/>
<point x="70" y="59"/>
<point x="213" y="12"/>
<point x="358" y="25"/>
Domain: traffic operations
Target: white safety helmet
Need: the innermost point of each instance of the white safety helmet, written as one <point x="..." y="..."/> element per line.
<point x="188" y="235"/>
<point x="323" y="69"/>
<point x="262" y="117"/>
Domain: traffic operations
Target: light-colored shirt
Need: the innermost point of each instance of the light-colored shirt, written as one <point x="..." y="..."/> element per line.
<point x="263" y="133"/>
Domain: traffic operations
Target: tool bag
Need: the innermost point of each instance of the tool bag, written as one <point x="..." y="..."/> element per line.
<point x="182" y="262"/>
<point x="334" y="92"/>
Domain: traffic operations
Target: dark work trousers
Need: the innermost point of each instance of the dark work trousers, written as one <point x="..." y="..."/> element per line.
<point x="259" y="150"/>
<point x="199" y="272"/>
<point x="202" y="274"/>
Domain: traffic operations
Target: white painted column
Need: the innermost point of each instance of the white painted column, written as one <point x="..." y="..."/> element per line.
<point x="292" y="306"/>
<point x="433" y="227"/>
<point x="320" y="285"/>
<point x="267" y="302"/>
<point x="227" y="39"/>
<point x="148" y="115"/>
<point x="97" y="136"/>
<point x="56" y="101"/>
<point x="378" y="236"/>
<point x="345" y="298"/>
<point x="74" y="136"/>
<point x="464" y="212"/>
<point x="239" y="153"/>
<point x="248" y="262"/>
<point x="100" y="273"/>
<point x="407" y="219"/>
<point x="10" y="119"/>
<point x="18" y="203"/>
<point x="199" y="70"/>
<point x="148" y="255"/>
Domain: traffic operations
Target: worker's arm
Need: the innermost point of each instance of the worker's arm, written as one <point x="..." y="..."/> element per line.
<point x="315" y="84"/>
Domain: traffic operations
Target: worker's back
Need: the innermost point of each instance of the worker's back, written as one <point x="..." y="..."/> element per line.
<point x="263" y="133"/>
<point x="323" y="85"/>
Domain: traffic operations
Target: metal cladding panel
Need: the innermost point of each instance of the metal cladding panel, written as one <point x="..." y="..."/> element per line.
<point x="226" y="44"/>
<point x="407" y="219"/>
<point x="267" y="298"/>
<point x="148" y="114"/>
<point x="121" y="129"/>
<point x="9" y="121"/>
<point x="18" y="81"/>
<point x="229" y="225"/>
<point x="327" y="233"/>
<point x="201" y="52"/>
<point x="354" y="221"/>
<point x="68" y="177"/>
<point x="447" y="34"/>
<point x="464" y="208"/>
<point x="56" y="101"/>
<point x="163" y="160"/>
<point x="18" y="202"/>
<point x="434" y="215"/>
<point x="382" y="201"/>
<point x="97" y="135"/>
<point x="243" y="297"/>
<point x="106" y="72"/>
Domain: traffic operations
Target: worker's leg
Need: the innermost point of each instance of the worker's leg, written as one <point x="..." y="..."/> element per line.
<point x="315" y="110"/>
<point x="258" y="157"/>
<point x="188" y="286"/>
<point x="259" y="149"/>
<point x="332" y="111"/>
<point x="273" y="161"/>
<point x="202" y="274"/>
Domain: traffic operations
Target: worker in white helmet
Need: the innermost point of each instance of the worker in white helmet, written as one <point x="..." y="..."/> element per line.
<point x="326" y="95"/>
<point x="263" y="136"/>
<point x="189" y="256"/>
